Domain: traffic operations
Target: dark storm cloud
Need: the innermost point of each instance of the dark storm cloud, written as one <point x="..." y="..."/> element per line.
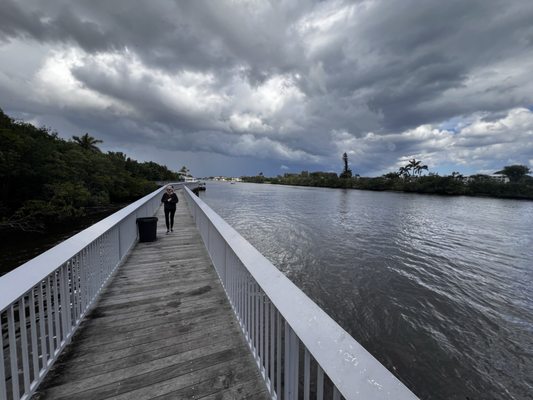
<point x="303" y="79"/>
<point x="419" y="50"/>
<point x="162" y="35"/>
<point x="61" y="27"/>
<point x="186" y="34"/>
<point x="145" y="98"/>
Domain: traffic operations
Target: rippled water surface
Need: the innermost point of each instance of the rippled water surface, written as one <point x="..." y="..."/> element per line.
<point x="439" y="289"/>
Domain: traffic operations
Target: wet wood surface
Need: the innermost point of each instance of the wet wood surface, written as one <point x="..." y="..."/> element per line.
<point x="162" y="328"/>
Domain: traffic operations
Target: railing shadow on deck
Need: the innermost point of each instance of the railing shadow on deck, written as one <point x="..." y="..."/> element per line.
<point x="300" y="351"/>
<point x="43" y="301"/>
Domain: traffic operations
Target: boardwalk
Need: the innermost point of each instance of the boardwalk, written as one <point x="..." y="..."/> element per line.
<point x="163" y="329"/>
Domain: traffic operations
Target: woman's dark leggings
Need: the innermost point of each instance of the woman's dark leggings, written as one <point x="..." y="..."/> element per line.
<point x="169" y="218"/>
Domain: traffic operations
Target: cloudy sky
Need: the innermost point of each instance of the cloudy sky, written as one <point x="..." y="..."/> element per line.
<point x="241" y="87"/>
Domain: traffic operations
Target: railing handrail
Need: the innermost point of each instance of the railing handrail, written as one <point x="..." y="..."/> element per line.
<point x="353" y="370"/>
<point x="16" y="283"/>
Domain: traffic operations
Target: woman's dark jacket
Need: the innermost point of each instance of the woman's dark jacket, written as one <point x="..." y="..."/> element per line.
<point x="170" y="205"/>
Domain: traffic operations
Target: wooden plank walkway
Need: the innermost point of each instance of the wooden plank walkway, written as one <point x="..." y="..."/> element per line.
<point x="162" y="329"/>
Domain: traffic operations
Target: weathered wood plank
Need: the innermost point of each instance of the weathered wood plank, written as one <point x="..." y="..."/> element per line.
<point x="140" y="313"/>
<point x="244" y="390"/>
<point x="163" y="328"/>
<point x="178" y="290"/>
<point x="138" y="364"/>
<point x="138" y="376"/>
<point x="88" y="347"/>
<point x="188" y="342"/>
<point x="217" y="378"/>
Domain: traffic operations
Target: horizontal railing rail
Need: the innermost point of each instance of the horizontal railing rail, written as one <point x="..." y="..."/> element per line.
<point x="43" y="301"/>
<point x="299" y="350"/>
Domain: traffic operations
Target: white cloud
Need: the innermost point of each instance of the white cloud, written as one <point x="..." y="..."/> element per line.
<point x="482" y="144"/>
<point x="120" y="81"/>
<point x="325" y="27"/>
<point x="517" y="124"/>
<point x="55" y="83"/>
<point x="268" y="98"/>
<point x="263" y="147"/>
<point x="248" y="123"/>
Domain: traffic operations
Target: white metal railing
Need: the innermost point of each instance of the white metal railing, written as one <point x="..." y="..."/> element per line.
<point x="43" y="301"/>
<point x="300" y="351"/>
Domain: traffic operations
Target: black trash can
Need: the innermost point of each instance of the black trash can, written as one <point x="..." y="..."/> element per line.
<point x="147" y="229"/>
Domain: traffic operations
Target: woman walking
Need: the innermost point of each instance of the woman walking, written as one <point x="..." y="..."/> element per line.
<point x="169" y="199"/>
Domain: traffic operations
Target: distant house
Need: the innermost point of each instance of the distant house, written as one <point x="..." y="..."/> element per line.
<point x="500" y="178"/>
<point x="480" y="177"/>
<point x="225" y="179"/>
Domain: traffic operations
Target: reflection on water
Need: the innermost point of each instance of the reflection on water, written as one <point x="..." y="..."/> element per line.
<point x="437" y="288"/>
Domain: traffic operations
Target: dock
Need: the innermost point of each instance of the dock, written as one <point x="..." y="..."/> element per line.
<point x="197" y="314"/>
<point x="162" y="328"/>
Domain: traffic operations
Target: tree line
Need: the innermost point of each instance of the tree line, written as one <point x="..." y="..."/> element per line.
<point x="47" y="180"/>
<point x="409" y="178"/>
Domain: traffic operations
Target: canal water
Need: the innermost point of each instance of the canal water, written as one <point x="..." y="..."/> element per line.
<point x="438" y="289"/>
<point x="17" y="248"/>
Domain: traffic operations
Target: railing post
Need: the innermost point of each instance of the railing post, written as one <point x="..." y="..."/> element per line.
<point x="33" y="333"/>
<point x="319" y="383"/>
<point x="278" y="354"/>
<point x="13" y="352"/>
<point x="307" y="374"/>
<point x="119" y="242"/>
<point x="24" y="344"/>
<point x="48" y="290"/>
<point x="225" y="268"/>
<point x="272" y="343"/>
<point x="56" y="311"/>
<point x="42" y="326"/>
<point x="3" y="389"/>
<point x="287" y="363"/>
<point x="208" y="231"/>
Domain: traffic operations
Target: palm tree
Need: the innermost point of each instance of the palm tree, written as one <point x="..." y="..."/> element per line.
<point x="413" y="164"/>
<point x="405" y="171"/>
<point x="88" y="142"/>
<point x="416" y="166"/>
<point x="419" y="168"/>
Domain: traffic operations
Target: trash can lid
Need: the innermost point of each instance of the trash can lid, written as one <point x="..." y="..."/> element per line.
<point x="147" y="219"/>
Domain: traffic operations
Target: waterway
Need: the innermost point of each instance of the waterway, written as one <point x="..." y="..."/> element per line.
<point x="18" y="247"/>
<point x="439" y="289"/>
